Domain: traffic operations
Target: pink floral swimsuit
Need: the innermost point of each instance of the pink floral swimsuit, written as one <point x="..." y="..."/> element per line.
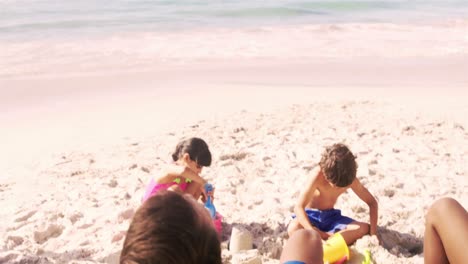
<point x="154" y="187"/>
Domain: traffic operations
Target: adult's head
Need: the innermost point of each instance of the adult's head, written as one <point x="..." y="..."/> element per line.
<point x="171" y="228"/>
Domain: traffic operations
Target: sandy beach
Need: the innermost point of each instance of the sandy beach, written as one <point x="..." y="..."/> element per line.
<point x="73" y="203"/>
<point x="78" y="146"/>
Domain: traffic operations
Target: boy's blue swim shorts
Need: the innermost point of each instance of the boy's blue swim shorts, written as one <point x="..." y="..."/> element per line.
<point x="327" y="220"/>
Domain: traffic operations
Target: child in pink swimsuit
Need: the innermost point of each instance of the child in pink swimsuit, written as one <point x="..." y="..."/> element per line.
<point x="190" y="156"/>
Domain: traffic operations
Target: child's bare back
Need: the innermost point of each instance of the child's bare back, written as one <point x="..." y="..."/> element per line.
<point x="183" y="176"/>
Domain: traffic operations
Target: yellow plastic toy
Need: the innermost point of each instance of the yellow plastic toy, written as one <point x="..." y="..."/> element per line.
<point x="335" y="249"/>
<point x="367" y="259"/>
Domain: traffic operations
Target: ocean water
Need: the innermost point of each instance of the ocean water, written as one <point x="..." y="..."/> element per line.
<point x="35" y="19"/>
<point x="48" y="37"/>
<point x="44" y="40"/>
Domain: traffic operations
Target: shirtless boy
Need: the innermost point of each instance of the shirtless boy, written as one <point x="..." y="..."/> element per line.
<point x="315" y="207"/>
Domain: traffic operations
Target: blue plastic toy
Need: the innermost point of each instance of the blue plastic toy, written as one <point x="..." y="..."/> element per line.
<point x="209" y="203"/>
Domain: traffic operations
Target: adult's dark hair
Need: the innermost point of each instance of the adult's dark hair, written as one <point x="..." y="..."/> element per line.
<point x="196" y="148"/>
<point x="339" y="165"/>
<point x="168" y="229"/>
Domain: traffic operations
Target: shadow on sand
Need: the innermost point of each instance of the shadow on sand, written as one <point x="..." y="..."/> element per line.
<point x="400" y="244"/>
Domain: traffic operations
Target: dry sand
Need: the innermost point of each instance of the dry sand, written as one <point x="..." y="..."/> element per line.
<point x="74" y="204"/>
<point x="83" y="130"/>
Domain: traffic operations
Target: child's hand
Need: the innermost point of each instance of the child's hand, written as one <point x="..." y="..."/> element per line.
<point x="205" y="195"/>
<point x="211" y="194"/>
<point x="377" y="238"/>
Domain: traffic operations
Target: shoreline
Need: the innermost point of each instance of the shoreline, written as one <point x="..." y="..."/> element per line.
<point x="128" y="52"/>
<point x="417" y="72"/>
<point x="78" y="150"/>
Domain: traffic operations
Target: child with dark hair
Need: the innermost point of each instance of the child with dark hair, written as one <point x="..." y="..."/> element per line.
<point x="183" y="176"/>
<point x="171" y="228"/>
<point x="315" y="207"/>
